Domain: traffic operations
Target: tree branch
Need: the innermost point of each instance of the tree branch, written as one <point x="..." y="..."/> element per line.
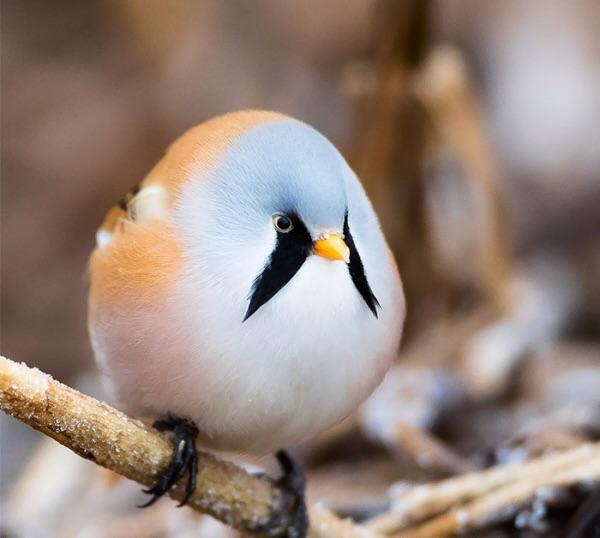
<point x="98" y="432"/>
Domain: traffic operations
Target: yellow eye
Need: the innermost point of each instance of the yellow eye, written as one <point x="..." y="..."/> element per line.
<point x="282" y="223"/>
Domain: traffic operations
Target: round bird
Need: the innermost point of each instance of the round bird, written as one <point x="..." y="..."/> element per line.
<point x="244" y="291"/>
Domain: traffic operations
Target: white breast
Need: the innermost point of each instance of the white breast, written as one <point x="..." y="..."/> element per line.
<point x="300" y="364"/>
<point x="304" y="361"/>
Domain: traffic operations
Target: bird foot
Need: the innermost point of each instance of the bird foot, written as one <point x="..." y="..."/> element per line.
<point x="184" y="459"/>
<point x="292" y="510"/>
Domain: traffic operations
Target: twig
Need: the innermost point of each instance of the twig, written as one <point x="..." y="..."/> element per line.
<point x="503" y="503"/>
<point x="505" y="484"/>
<point x="109" y="438"/>
<point x="427" y="451"/>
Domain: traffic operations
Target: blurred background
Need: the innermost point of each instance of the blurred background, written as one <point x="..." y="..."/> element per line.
<point x="475" y="127"/>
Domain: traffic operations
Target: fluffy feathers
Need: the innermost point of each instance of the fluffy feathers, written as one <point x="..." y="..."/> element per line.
<point x="169" y="291"/>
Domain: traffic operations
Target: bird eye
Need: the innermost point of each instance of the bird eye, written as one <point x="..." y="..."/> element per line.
<point x="282" y="223"/>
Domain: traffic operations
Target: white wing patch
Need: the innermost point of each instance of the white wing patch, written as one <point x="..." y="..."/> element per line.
<point x="103" y="237"/>
<point x="150" y="203"/>
<point x="143" y="205"/>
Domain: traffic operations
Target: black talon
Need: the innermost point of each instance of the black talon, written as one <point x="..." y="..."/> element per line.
<point x="191" y="485"/>
<point x="191" y="463"/>
<point x="293" y="507"/>
<point x="173" y="472"/>
<point x="184" y="459"/>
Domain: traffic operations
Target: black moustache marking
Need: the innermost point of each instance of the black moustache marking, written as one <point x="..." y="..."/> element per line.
<point x="357" y="272"/>
<point x="290" y="253"/>
<point x="287" y="258"/>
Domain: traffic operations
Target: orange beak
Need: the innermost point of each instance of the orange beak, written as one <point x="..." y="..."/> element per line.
<point x="332" y="246"/>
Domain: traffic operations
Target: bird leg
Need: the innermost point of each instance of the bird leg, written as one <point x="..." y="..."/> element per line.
<point x="185" y="459"/>
<point x="291" y="516"/>
<point x="292" y="511"/>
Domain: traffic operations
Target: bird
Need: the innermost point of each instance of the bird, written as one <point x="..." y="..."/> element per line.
<point x="243" y="294"/>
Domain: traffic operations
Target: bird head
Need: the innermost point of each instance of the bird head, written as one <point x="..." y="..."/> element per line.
<point x="280" y="196"/>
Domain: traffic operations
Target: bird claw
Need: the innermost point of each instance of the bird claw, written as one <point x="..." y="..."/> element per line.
<point x="292" y="510"/>
<point x="184" y="459"/>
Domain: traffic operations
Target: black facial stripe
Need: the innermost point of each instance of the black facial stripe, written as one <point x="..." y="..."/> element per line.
<point x="357" y="272"/>
<point x="290" y="253"/>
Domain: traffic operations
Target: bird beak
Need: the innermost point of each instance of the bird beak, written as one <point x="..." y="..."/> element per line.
<point x="332" y="246"/>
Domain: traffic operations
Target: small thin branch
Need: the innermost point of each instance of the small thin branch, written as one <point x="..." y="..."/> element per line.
<point x="502" y="504"/>
<point x="97" y="432"/>
<point x="477" y="498"/>
<point x="427" y="451"/>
